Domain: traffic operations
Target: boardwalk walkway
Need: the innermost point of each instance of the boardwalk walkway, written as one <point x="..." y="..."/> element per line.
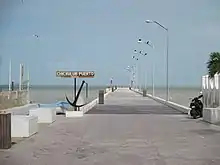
<point x="128" y="102"/>
<point x="127" y="130"/>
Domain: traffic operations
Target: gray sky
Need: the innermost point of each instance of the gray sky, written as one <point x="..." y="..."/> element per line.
<point x="101" y="35"/>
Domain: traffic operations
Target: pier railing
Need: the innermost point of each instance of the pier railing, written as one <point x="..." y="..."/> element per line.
<point x="9" y="99"/>
<point x="211" y="91"/>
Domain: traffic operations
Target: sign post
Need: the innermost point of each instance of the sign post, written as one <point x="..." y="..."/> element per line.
<point x="75" y="75"/>
<point x="74" y="91"/>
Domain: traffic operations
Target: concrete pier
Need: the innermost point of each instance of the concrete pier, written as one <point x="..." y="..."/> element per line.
<point x="128" y="129"/>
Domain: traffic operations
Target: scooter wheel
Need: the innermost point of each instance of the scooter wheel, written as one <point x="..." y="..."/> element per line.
<point x="193" y="114"/>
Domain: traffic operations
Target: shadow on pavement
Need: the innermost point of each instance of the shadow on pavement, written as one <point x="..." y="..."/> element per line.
<point x="131" y="109"/>
<point x="206" y="131"/>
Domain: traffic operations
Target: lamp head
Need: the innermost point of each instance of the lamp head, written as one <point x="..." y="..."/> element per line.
<point x="149" y="21"/>
<point x="139" y="40"/>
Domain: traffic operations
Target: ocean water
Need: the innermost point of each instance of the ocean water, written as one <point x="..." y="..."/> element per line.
<point x="179" y="95"/>
<point x="51" y="94"/>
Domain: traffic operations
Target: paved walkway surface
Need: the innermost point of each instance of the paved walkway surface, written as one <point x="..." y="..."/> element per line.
<point x="147" y="133"/>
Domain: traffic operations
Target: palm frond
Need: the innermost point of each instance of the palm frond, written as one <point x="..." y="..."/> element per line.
<point x="213" y="64"/>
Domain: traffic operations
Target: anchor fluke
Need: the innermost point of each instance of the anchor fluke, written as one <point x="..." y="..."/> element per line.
<point x="77" y="97"/>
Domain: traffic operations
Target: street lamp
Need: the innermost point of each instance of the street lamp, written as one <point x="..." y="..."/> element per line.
<point x="140" y="52"/>
<point x="129" y="70"/>
<point x="152" y="46"/>
<point x="132" y="73"/>
<point x="146" y="42"/>
<point x="136" y="58"/>
<point x="167" y="55"/>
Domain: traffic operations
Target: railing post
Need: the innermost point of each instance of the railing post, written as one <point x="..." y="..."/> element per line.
<point x="5" y="130"/>
<point x="101" y="96"/>
<point x="144" y="93"/>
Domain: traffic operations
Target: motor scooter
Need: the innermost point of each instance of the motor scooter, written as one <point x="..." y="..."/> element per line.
<point x="196" y="107"/>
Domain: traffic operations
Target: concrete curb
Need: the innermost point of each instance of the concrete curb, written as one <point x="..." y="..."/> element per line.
<point x="93" y="103"/>
<point x="170" y="104"/>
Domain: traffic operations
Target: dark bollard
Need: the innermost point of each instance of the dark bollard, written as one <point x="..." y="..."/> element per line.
<point x="112" y="89"/>
<point x="5" y="130"/>
<point x="12" y="85"/>
<point x="101" y="96"/>
<point x="145" y="93"/>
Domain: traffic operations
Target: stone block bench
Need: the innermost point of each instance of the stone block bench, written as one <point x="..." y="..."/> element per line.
<point x="44" y="115"/>
<point x="23" y="126"/>
<point x="70" y="114"/>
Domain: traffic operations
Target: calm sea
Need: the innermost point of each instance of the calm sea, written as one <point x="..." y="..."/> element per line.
<point x="180" y="95"/>
<point x="51" y="94"/>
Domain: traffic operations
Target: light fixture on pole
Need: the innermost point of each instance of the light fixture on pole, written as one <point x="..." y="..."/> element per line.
<point x="152" y="46"/>
<point x="133" y="74"/>
<point x="146" y="42"/>
<point x="136" y="70"/>
<point x="136" y="58"/>
<point x="130" y="76"/>
<point x="167" y="55"/>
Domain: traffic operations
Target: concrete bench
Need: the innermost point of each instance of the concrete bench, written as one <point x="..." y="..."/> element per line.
<point x="23" y="126"/>
<point x="45" y="115"/>
<point x="70" y="114"/>
<point x="211" y="115"/>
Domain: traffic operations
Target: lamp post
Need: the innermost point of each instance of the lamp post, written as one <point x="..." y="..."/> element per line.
<point x="136" y="70"/>
<point x="167" y="55"/>
<point x="136" y="58"/>
<point x="152" y="46"/>
<point x="133" y="74"/>
<point x="130" y="69"/>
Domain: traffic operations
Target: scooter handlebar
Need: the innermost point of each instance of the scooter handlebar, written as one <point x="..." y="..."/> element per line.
<point x="200" y="96"/>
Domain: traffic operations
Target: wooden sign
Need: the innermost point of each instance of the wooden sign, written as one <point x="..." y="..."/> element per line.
<point x="75" y="74"/>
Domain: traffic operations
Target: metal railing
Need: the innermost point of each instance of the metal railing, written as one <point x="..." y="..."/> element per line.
<point x="9" y="99"/>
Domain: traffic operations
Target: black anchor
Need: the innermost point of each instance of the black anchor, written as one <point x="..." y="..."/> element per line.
<point x="77" y="97"/>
